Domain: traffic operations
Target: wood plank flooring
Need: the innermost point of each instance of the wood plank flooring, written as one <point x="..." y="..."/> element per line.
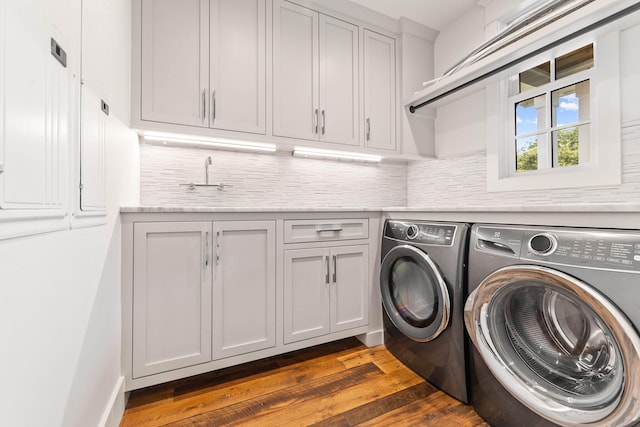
<point x="337" y="384"/>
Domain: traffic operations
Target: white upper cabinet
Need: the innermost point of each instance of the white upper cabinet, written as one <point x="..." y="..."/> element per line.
<point x="379" y="91"/>
<point x="315" y="76"/>
<point x="203" y="63"/>
<point x="237" y="62"/>
<point x="295" y="71"/>
<point x="338" y="81"/>
<point x="175" y="61"/>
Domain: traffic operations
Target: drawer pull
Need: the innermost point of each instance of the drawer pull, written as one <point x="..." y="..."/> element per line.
<point x="327" y="230"/>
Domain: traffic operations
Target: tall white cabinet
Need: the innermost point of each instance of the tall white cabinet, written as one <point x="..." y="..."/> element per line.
<point x="35" y="113"/>
<point x="315" y="76"/>
<point x="203" y="63"/>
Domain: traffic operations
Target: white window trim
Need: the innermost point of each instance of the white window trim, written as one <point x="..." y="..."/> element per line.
<point x="604" y="169"/>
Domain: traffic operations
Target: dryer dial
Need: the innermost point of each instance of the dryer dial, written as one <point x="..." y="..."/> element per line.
<point x="543" y="244"/>
<point x="413" y="231"/>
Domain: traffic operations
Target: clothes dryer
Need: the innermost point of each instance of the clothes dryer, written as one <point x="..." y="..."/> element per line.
<point x="422" y="280"/>
<point x="553" y="314"/>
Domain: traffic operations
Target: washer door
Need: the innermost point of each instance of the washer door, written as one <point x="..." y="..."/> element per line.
<point x="557" y="345"/>
<point x="414" y="294"/>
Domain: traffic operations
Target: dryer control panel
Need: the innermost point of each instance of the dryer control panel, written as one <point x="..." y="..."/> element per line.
<point x="619" y="250"/>
<point x="421" y="232"/>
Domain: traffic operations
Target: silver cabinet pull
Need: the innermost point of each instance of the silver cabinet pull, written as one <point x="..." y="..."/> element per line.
<point x="217" y="248"/>
<point x="213" y="105"/>
<point x="323" y="230"/>
<point x="204" y="105"/>
<point x="326" y="277"/>
<point x="323" y="121"/>
<point x="368" y="129"/>
<point x="335" y="267"/>
<point x="315" y="122"/>
<point x="206" y="249"/>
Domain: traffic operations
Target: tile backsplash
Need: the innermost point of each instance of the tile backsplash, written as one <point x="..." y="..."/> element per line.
<point x="262" y="180"/>
<point x="462" y="182"/>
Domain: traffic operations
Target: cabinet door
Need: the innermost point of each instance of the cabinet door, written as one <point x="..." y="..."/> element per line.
<point x="295" y="71"/>
<point x="350" y="275"/>
<point x="171" y="296"/>
<point x="306" y="294"/>
<point x="338" y="81"/>
<point x="244" y="302"/>
<point x="237" y="65"/>
<point x="175" y="61"/>
<point x="379" y="91"/>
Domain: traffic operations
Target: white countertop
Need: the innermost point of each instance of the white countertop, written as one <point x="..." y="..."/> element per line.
<point x="583" y="208"/>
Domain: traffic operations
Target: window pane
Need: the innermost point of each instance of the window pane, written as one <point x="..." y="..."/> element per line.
<point x="531" y="115"/>
<point x="574" y="62"/>
<point x="527" y="153"/>
<point x="572" y="146"/>
<point x="571" y="104"/>
<point x="535" y="77"/>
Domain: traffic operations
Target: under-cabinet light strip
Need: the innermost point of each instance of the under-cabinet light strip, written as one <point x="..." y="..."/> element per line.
<point x="318" y="153"/>
<point x="222" y="143"/>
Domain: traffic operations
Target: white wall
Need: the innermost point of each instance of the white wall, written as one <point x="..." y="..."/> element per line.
<point x="266" y="180"/>
<point x="60" y="292"/>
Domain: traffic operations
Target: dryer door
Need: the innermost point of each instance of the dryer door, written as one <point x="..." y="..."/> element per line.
<point x="414" y="294"/>
<point x="557" y="345"/>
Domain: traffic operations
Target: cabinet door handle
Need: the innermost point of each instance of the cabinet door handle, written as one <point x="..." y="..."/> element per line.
<point x="206" y="249"/>
<point x="315" y="122"/>
<point x="204" y="105"/>
<point x="217" y="248"/>
<point x="335" y="267"/>
<point x="368" y="129"/>
<point x="323" y="121"/>
<point x="213" y="105"/>
<point x="326" y="277"/>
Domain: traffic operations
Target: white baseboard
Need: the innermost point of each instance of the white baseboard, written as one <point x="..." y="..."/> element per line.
<point x="115" y="407"/>
<point x="372" y="339"/>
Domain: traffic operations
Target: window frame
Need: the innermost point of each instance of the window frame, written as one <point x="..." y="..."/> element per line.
<point x="604" y="167"/>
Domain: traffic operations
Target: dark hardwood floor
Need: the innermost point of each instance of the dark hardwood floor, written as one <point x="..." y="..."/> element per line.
<point x="338" y="384"/>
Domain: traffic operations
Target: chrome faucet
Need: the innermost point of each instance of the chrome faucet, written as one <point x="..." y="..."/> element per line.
<point x="207" y="162"/>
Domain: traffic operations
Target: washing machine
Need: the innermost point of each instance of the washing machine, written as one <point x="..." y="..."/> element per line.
<point x="553" y="314"/>
<point x="422" y="281"/>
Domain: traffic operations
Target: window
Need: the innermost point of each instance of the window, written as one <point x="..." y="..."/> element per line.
<point x="562" y="115"/>
<point x="552" y="112"/>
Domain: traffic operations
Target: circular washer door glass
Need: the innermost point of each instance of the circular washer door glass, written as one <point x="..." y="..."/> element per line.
<point x="414" y="293"/>
<point x="553" y="342"/>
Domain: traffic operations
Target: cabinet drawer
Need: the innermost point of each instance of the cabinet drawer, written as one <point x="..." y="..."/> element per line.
<point x="298" y="231"/>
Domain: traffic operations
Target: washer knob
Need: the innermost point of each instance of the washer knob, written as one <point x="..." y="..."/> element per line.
<point x="413" y="231"/>
<point x="543" y="244"/>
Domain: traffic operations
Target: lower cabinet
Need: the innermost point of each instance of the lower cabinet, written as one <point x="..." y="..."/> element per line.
<point x="204" y="291"/>
<point x="201" y="291"/>
<point x="325" y="290"/>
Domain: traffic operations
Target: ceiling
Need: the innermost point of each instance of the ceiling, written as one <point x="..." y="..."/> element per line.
<point x="435" y="14"/>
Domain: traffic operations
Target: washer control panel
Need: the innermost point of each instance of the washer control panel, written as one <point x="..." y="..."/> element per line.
<point x="421" y="232"/>
<point x="619" y="250"/>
